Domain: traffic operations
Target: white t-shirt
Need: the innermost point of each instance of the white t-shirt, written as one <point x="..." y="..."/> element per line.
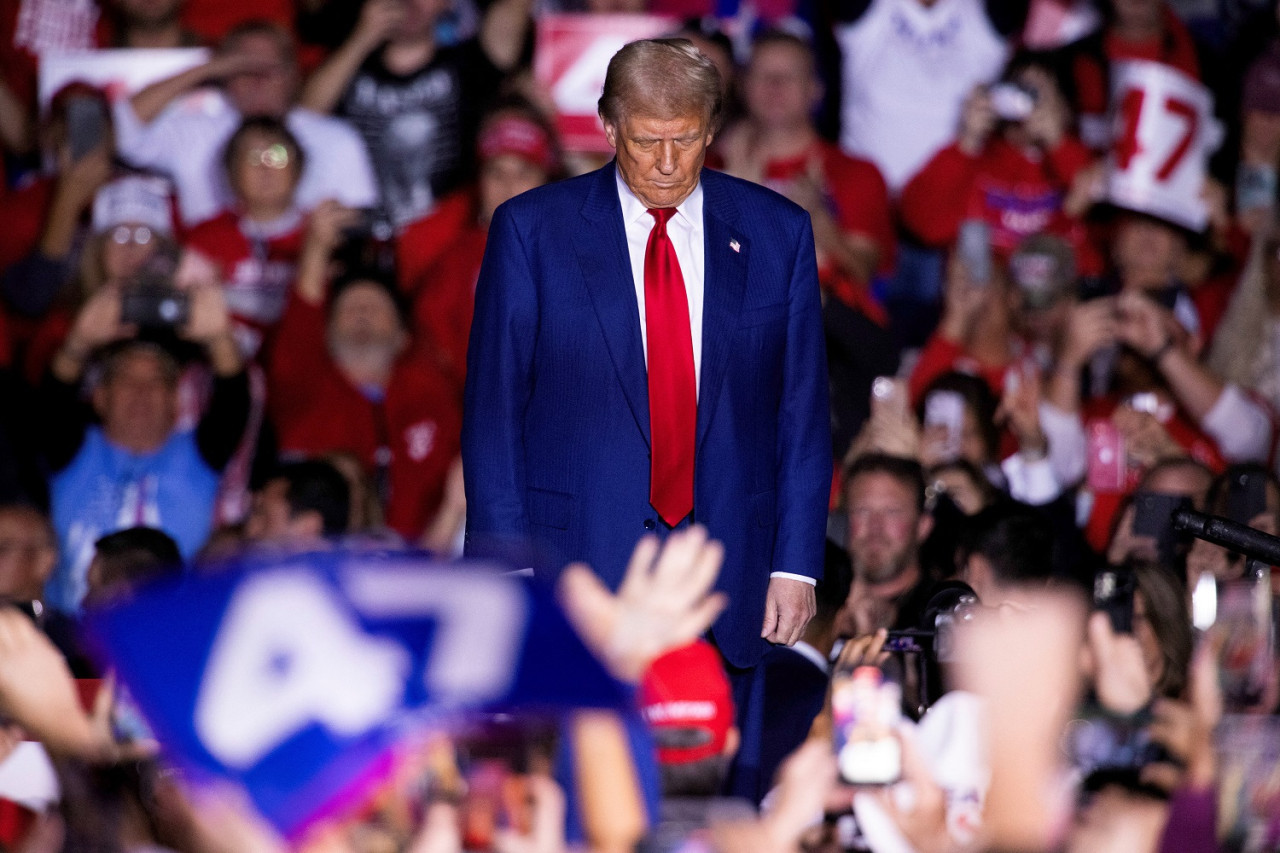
<point x="186" y="140"/>
<point x="906" y="70"/>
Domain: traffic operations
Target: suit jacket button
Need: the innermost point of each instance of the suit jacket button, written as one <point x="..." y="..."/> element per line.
<point x="648" y="524"/>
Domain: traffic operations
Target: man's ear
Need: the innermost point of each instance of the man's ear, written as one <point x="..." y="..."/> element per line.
<point x="610" y="132"/>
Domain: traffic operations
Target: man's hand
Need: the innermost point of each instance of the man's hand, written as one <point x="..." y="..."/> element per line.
<point x="788" y="607"/>
<point x="1049" y="119"/>
<point x="379" y="19"/>
<point x="665" y="601"/>
<point x="978" y="121"/>
<point x="97" y="324"/>
<point x="1120" y="674"/>
<point x="1090" y="327"/>
<point x="38" y="693"/>
<point x="1145" y="325"/>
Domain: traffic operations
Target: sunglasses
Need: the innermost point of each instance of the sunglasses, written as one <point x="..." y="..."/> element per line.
<point x="272" y="157"/>
<point x="138" y="235"/>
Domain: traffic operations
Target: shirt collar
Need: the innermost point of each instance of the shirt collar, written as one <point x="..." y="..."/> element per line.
<point x="689" y="210"/>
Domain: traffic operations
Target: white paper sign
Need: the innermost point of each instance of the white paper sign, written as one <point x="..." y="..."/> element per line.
<point x="1163" y="132"/>
<point x="119" y="73"/>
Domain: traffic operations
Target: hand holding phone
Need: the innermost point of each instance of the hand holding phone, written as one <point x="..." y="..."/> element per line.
<point x="866" y="710"/>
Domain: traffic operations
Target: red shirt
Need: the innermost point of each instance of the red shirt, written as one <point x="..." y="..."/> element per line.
<point x="857" y="197"/>
<point x="425" y="241"/>
<point x="316" y="409"/>
<point x="257" y="274"/>
<point x="1106" y="505"/>
<point x="1016" y="193"/>
<point x="446" y="301"/>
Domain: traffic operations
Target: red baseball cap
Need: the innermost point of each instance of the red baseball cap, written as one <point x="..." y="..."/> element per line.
<point x="687" y="690"/>
<point x="513" y="134"/>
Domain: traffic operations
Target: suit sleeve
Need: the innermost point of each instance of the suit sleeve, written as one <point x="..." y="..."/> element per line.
<point x="499" y="381"/>
<point x="804" y="424"/>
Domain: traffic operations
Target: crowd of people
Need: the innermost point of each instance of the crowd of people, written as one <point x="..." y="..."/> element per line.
<point x="235" y="307"/>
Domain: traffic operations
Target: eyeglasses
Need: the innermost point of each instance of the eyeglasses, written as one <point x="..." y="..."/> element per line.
<point x="138" y="235"/>
<point x="272" y="157"/>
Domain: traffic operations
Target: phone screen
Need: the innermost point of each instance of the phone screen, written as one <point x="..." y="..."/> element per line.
<point x="86" y="124"/>
<point x="1107" y="465"/>
<point x="1244" y="623"/>
<point x="865" y="710"/>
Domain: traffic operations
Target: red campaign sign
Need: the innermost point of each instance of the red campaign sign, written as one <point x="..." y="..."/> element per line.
<point x="573" y="53"/>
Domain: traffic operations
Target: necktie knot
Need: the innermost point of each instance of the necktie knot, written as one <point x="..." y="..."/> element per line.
<point x="662" y="214"/>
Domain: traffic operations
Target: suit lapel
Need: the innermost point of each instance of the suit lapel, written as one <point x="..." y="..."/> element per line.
<point x="725" y="264"/>
<point x="601" y="247"/>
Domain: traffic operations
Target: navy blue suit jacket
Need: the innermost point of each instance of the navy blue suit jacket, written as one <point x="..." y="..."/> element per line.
<point x="555" y="436"/>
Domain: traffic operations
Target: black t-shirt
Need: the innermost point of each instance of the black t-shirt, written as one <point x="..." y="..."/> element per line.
<point x="420" y="127"/>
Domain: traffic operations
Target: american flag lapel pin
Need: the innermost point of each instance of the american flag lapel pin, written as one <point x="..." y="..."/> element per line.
<point x="735" y="245"/>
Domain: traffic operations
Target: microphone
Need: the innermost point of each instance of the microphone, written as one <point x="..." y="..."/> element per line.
<point x="1253" y="544"/>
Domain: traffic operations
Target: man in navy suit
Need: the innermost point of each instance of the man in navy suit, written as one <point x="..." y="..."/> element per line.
<point x="647" y="353"/>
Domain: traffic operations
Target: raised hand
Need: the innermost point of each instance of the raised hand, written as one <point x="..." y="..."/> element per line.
<point x="664" y="602"/>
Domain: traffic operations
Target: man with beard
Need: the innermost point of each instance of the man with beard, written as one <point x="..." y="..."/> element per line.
<point x="884" y="498"/>
<point x="344" y="374"/>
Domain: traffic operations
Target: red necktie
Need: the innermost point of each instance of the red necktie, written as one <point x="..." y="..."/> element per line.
<point x="673" y="395"/>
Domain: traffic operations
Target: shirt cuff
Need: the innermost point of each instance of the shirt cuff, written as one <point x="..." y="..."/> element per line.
<point x="1031" y="481"/>
<point x="794" y="577"/>
<point x="1240" y="427"/>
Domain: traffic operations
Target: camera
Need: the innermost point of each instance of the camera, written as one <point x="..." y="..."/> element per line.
<point x="932" y="642"/>
<point x="155" y="306"/>
<point x="1012" y="101"/>
<point x="1113" y="595"/>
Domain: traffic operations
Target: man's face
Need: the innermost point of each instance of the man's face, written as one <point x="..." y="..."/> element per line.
<point x="138" y="403"/>
<point x="27" y="554"/>
<point x="884" y="526"/>
<point x="364" y="323"/>
<point x="1147" y="252"/>
<point x="779" y="86"/>
<point x="505" y="177"/>
<point x="660" y="159"/>
<point x="268" y="91"/>
<point x="270" y="518"/>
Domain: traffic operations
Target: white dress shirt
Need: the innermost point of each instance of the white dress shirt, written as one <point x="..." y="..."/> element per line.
<point x="686" y="233"/>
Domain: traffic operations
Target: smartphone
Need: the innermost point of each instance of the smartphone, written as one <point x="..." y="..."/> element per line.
<point x="1012" y="101"/>
<point x="1107" y="466"/>
<point x="1246" y="496"/>
<point x="1113" y="594"/>
<point x="86" y="124"/>
<point x="866" y="709"/>
<point x="973" y="243"/>
<point x="1255" y="187"/>
<point x="154" y="307"/>
<point x="945" y="409"/>
<point x="1153" y="517"/>
<point x="1244" y="622"/>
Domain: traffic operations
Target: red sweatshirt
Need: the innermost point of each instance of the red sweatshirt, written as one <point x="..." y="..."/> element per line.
<point x="446" y="301"/>
<point x="257" y="275"/>
<point x="316" y="409"/>
<point x="1017" y="193"/>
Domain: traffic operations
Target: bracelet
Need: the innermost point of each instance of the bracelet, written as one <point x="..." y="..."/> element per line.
<point x="1168" y="344"/>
